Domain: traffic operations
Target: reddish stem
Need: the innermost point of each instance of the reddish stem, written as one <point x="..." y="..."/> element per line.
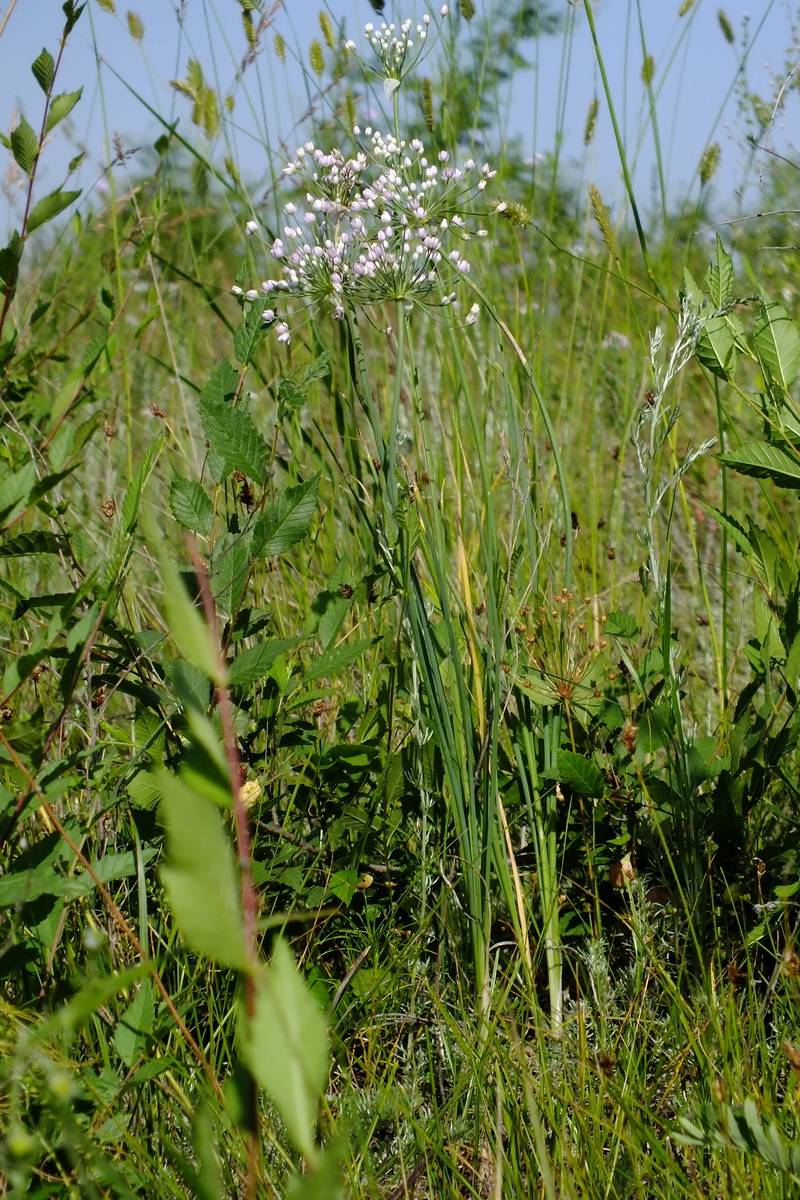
<point x="32" y="176"/>
<point x="244" y="848"/>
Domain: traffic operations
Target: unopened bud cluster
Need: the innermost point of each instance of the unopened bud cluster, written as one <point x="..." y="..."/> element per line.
<point x="398" y="49"/>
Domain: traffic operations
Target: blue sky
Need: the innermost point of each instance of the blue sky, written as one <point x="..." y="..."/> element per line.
<point x="695" y="70"/>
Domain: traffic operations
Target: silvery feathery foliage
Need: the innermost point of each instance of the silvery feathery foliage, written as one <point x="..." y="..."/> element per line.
<point x="387" y="225"/>
<point x="656" y="421"/>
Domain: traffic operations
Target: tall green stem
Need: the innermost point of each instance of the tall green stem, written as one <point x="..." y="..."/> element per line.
<point x="541" y="803"/>
<point x="621" y="147"/>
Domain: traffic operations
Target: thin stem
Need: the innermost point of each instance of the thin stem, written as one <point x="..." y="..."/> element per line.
<point x="32" y="176"/>
<point x="6" y="15"/>
<point x="245" y="852"/>
<point x="621" y="148"/>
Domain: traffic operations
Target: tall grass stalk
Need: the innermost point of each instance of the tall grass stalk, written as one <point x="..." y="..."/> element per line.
<point x="623" y="160"/>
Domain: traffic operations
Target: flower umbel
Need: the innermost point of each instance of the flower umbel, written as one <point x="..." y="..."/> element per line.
<point x="386" y="225"/>
<point x="397" y="49"/>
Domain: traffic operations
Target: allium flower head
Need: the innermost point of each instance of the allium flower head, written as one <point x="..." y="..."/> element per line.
<point x="397" y="49"/>
<point x="388" y="224"/>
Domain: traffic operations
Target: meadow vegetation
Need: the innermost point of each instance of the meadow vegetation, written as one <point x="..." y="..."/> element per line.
<point x="398" y="731"/>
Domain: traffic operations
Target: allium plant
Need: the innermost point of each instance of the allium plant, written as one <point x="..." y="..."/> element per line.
<point x="387" y="225"/>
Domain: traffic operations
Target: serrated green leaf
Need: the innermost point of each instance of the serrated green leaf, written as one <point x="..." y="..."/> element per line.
<point x="234" y="440"/>
<point x="286" y="520"/>
<point x="720" y="276"/>
<point x="222" y="385"/>
<point x="766" y="628"/>
<point x="119" y="553"/>
<point x="190" y="504"/>
<point x="43" y="69"/>
<point x="65" y="398"/>
<point x="327" y="615"/>
<point x="10" y="257"/>
<point x="185" y="623"/>
<point x="249" y="333"/>
<point x="49" y="207"/>
<point x="230" y="571"/>
<point x="42" y="602"/>
<point x="133" y="494"/>
<point x="777" y="342"/>
<point x="320" y="368"/>
<point x="80" y="631"/>
<point x="290" y="398"/>
<point x="580" y="774"/>
<point x="765" y="556"/>
<point x="143" y="790"/>
<point x="253" y="664"/>
<point x="110" y="867"/>
<point x="344" y="884"/>
<point x="15" y="490"/>
<point x="21" y="887"/>
<point x="335" y="660"/>
<point x="60" y="107"/>
<point x="199" y="875"/>
<point x="92" y="353"/>
<point x="765" y="460"/>
<point x="691" y="290"/>
<point x="40" y="541"/>
<point x="285" y="1045"/>
<point x="717" y="347"/>
<point x="70" y="439"/>
<point x="730" y="525"/>
<point x="24" y="146"/>
<point x="72" y="11"/>
<point x="621" y="625"/>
